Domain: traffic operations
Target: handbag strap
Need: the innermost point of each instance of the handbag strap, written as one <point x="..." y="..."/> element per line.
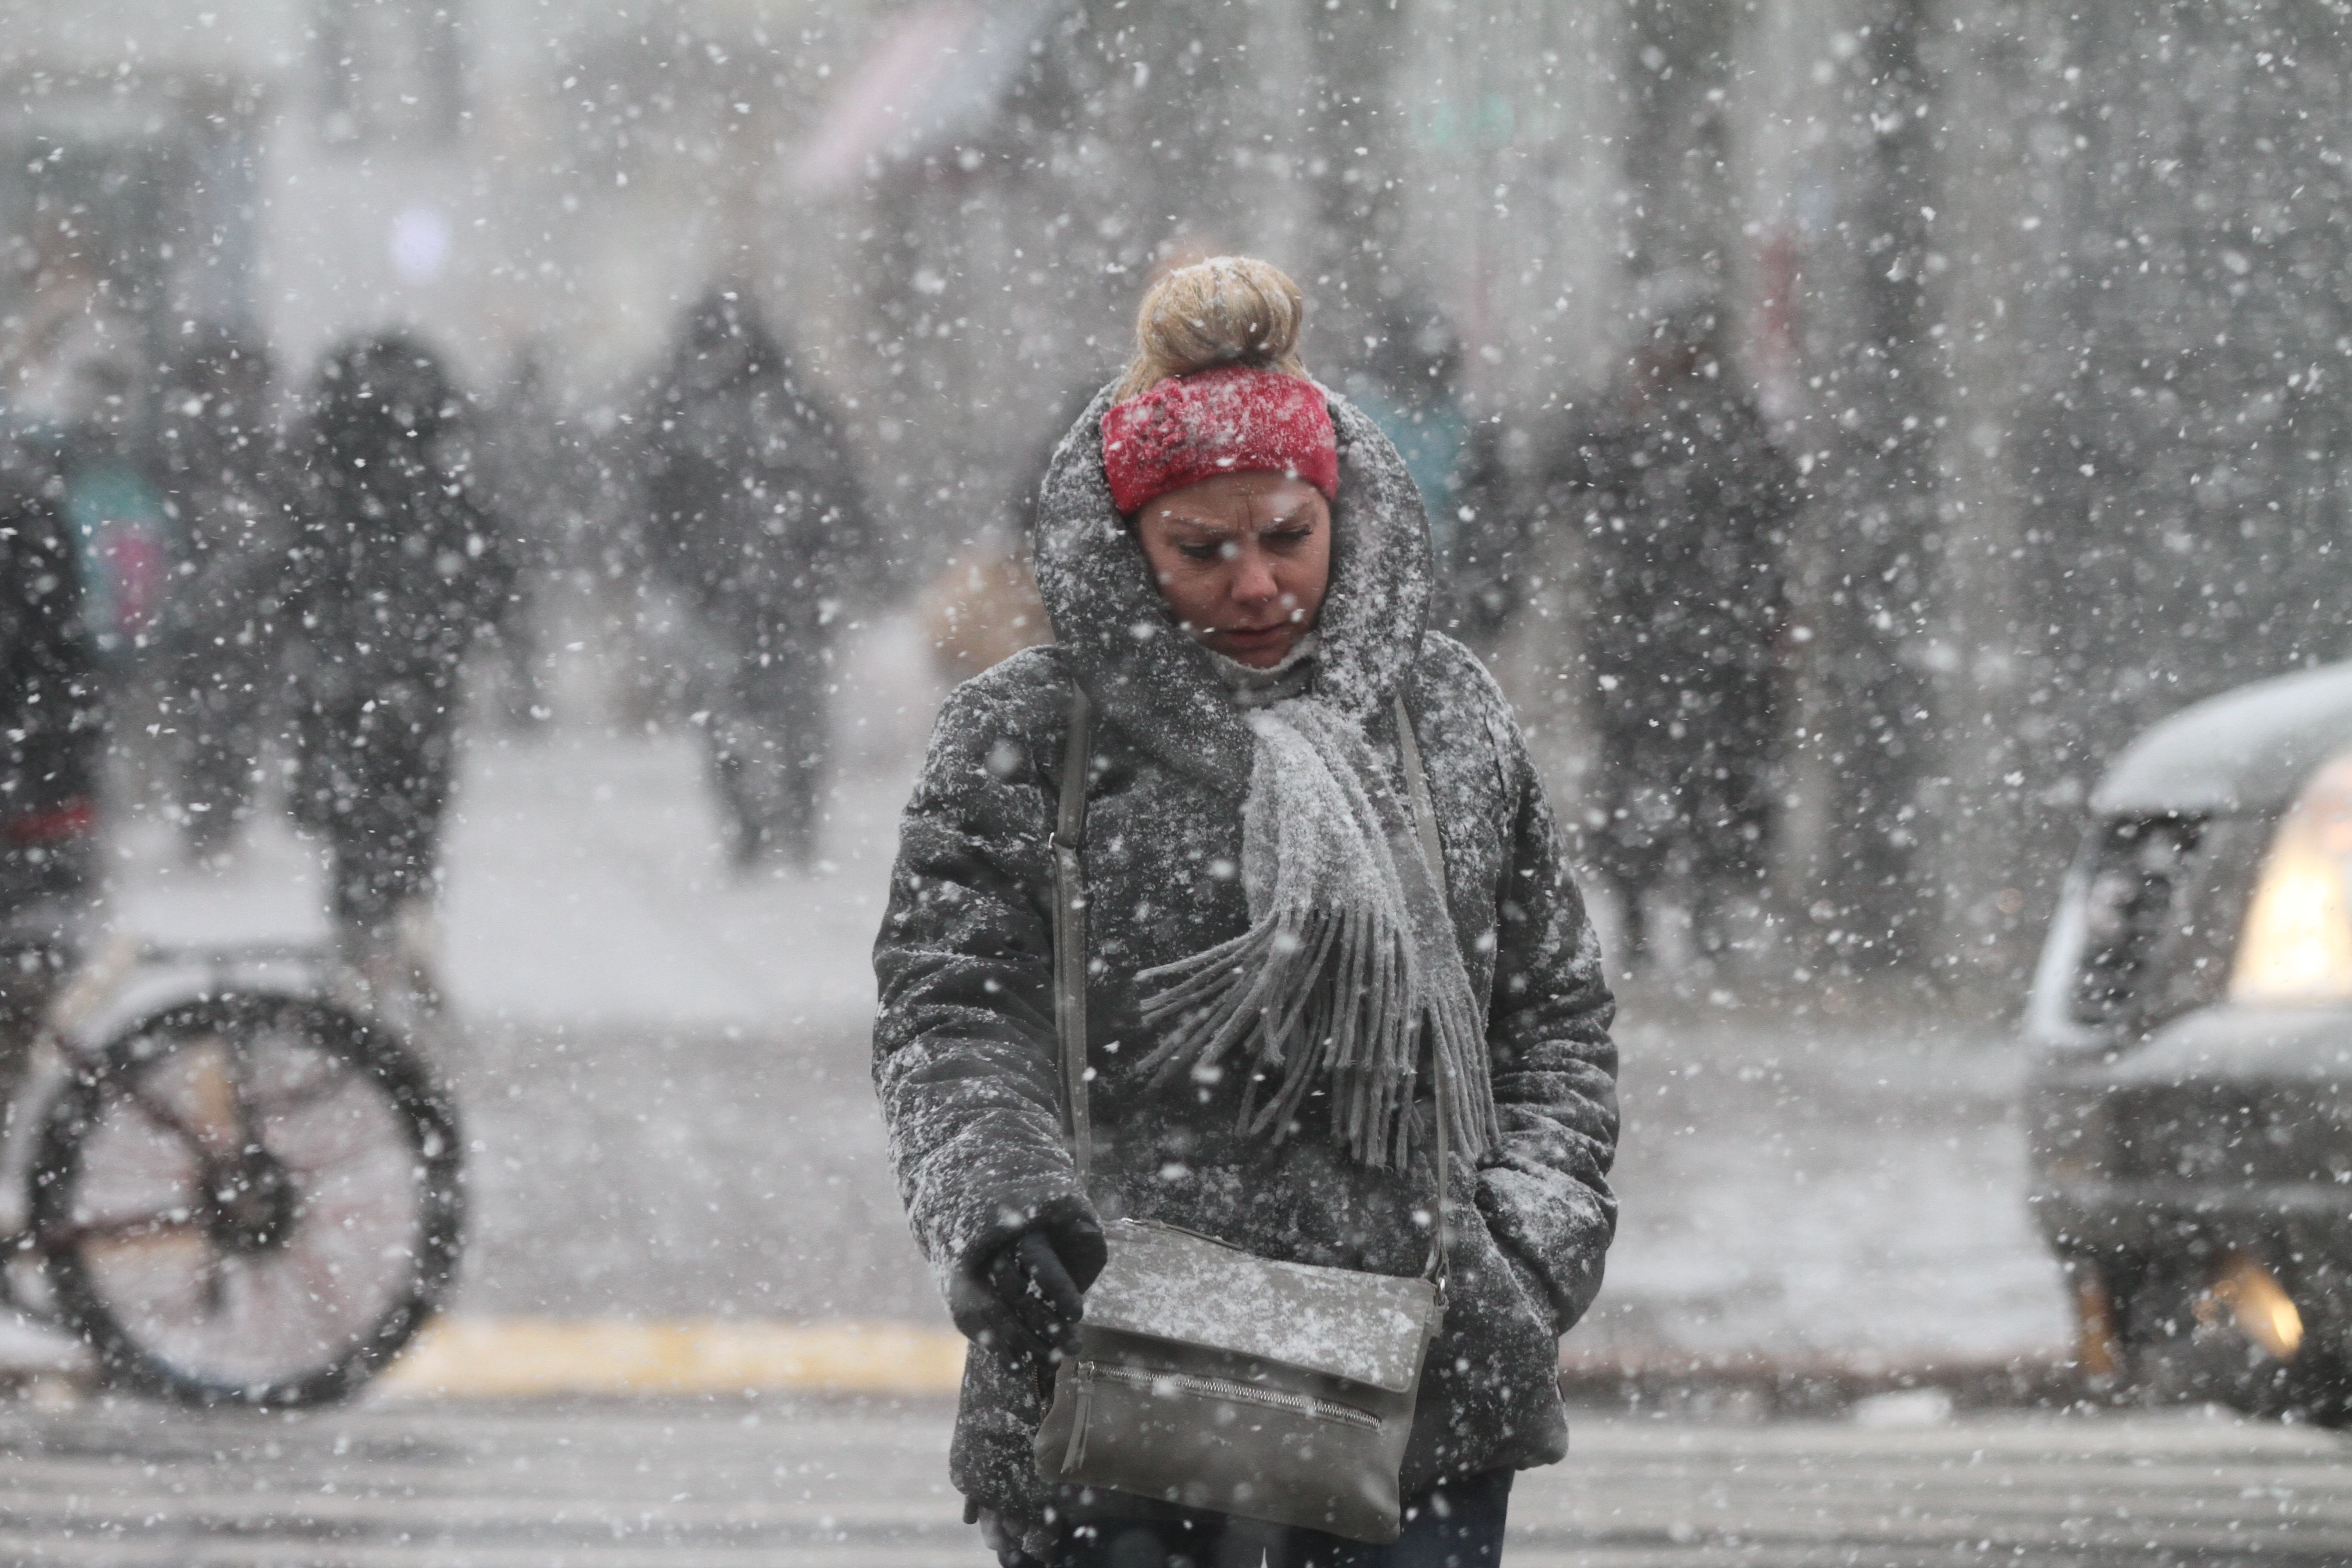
<point x="1070" y="927"/>
<point x="1070" y="946"/>
<point x="1433" y="851"/>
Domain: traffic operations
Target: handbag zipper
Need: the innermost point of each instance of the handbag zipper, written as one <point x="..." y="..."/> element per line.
<point x="1209" y="1388"/>
<point x="1081" y="1411"/>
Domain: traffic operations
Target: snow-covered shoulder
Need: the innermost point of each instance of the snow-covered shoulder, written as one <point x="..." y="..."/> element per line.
<point x="1008" y="720"/>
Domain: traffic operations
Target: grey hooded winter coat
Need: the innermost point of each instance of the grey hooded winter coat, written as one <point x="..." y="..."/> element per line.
<point x="964" y="1047"/>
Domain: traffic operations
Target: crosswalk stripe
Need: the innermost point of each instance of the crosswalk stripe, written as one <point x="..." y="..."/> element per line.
<point x="482" y="1357"/>
<point x="64" y="1552"/>
<point x="802" y="1481"/>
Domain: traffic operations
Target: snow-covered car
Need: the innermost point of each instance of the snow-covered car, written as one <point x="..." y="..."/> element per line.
<point x="2190" y="1111"/>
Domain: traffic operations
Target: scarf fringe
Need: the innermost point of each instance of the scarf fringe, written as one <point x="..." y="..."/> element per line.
<point x="1351" y="959"/>
<point x="1321" y="998"/>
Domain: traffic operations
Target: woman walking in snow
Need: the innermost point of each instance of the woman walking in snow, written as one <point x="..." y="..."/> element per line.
<point x="1237" y="568"/>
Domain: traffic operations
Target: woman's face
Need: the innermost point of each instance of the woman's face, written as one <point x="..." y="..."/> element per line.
<point x="1243" y="561"/>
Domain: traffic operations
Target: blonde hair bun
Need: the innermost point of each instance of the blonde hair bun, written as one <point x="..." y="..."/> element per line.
<point x="1228" y="310"/>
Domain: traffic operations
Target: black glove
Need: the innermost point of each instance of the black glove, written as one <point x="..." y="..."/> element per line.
<point x="1039" y="1279"/>
<point x="1008" y="1535"/>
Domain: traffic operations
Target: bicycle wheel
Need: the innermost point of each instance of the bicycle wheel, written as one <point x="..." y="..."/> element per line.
<point x="250" y="1199"/>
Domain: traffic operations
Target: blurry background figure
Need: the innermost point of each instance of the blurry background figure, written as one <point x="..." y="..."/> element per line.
<point x="1683" y="501"/>
<point x="982" y="608"/>
<point x="67" y="341"/>
<point x="1409" y="381"/>
<point x="76" y="386"/>
<point x="50" y="738"/>
<point x="117" y="520"/>
<point x="752" y="515"/>
<point x="532" y="476"/>
<point x="396" y="571"/>
<point x="217" y="459"/>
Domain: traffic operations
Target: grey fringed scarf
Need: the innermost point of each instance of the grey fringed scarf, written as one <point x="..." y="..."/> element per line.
<point x="1350" y="949"/>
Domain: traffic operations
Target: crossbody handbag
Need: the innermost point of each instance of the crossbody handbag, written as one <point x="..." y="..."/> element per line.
<point x="1203" y="1374"/>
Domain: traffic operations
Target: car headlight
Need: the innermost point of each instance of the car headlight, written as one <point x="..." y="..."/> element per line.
<point x="2296" y="945"/>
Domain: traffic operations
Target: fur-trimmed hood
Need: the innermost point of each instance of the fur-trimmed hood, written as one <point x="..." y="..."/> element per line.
<point x="1140" y="670"/>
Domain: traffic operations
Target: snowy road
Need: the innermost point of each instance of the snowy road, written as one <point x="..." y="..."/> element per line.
<point x="1816" y="1186"/>
<point x="781" y="1485"/>
<point x="665" y="1075"/>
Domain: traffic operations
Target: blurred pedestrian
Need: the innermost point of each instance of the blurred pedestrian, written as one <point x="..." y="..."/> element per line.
<point x="533" y="468"/>
<point x="124" y="538"/>
<point x="1681" y="502"/>
<point x="982" y="607"/>
<point x="50" y="740"/>
<point x="73" y="374"/>
<point x="395" y="571"/>
<point x="219" y="459"/>
<point x="1409" y="383"/>
<point x="1237" y="567"/>
<point x="751" y="513"/>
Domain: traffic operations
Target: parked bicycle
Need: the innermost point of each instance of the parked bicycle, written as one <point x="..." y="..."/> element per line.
<point x="248" y="1195"/>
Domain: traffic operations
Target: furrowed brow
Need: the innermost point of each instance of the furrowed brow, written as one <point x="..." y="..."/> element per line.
<point x="1206" y="525"/>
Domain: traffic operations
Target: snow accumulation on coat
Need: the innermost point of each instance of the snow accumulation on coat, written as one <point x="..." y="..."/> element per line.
<point x="965" y="1056"/>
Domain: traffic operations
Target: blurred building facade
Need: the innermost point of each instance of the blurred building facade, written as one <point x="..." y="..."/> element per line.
<point x="488" y="170"/>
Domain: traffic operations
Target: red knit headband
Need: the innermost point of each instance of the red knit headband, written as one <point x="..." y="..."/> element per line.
<point x="1230" y="421"/>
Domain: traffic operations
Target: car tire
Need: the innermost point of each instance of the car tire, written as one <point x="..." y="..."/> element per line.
<point x="2163" y="1351"/>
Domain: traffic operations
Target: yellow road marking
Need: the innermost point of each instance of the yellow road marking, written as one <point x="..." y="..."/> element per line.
<point x="548" y="1356"/>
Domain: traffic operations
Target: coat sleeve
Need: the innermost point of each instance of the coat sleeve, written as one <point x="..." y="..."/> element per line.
<point x="1775" y="494"/>
<point x="298" y="503"/>
<point x="49" y="710"/>
<point x="486" y="535"/>
<point x="965" y="1048"/>
<point x="1545" y="1191"/>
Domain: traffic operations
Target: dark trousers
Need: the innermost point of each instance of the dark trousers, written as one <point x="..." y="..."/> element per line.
<point x="222" y="723"/>
<point x="1458" y="1525"/>
<point x="766" y="732"/>
<point x="45" y="902"/>
<point x="373" y="777"/>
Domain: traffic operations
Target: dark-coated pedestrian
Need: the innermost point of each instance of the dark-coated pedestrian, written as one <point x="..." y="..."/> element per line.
<point x="52" y="733"/>
<point x="753" y="515"/>
<point x="395" y="571"/>
<point x="1410" y="384"/>
<point x="1681" y="503"/>
<point x="1306" y="1039"/>
<point x="220" y="474"/>
<point x="538" y="479"/>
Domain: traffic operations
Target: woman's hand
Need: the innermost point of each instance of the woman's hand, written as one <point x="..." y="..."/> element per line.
<point x="1039" y="1279"/>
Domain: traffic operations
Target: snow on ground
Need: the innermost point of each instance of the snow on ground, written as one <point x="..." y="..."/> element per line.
<point x="1817" y="1185"/>
<point x="1791" y="1183"/>
<point x="586" y="877"/>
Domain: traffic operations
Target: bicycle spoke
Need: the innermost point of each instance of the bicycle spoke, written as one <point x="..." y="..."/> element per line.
<point x="212" y="1073"/>
<point x="323" y="1295"/>
<point x="166" y="1117"/>
<point x="319" y="1162"/>
<point x="168" y="1223"/>
<point x="212" y="1283"/>
<point x="213" y="1115"/>
<point x="148" y="1273"/>
<point x="322" y="1085"/>
<point x="236" y="1074"/>
<point x="275" y="1296"/>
